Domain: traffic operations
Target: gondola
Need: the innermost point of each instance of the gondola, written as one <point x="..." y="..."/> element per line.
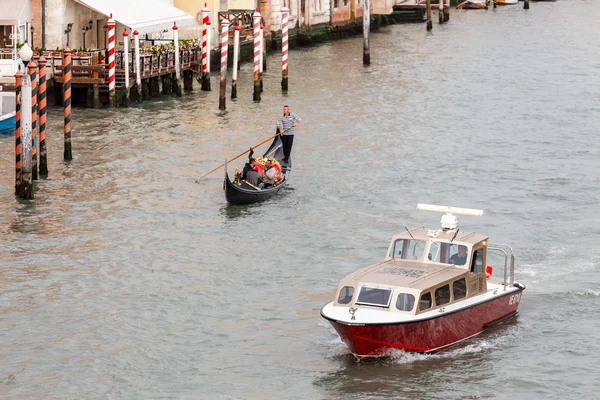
<point x="245" y="193"/>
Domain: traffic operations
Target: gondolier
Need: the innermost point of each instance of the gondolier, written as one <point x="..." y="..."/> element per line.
<point x="286" y="124"/>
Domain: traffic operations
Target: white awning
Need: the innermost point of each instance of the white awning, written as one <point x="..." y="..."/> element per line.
<point x="145" y="16"/>
<point x="15" y="11"/>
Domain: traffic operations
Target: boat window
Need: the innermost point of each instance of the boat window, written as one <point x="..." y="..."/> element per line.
<point x="408" y="249"/>
<point x="425" y="302"/>
<point x="405" y="302"/>
<point x="459" y="289"/>
<point x="371" y="296"/>
<point x="442" y="295"/>
<point x="447" y="253"/>
<point x="477" y="262"/>
<point x="346" y="294"/>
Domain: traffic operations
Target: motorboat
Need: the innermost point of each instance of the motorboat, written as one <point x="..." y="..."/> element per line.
<point x="7" y="123"/>
<point x="433" y="290"/>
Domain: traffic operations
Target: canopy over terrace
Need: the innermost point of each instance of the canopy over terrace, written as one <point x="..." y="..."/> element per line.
<point x="14" y="12"/>
<point x="145" y="16"/>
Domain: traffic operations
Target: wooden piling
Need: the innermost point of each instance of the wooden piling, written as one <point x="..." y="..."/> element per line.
<point x="256" y="26"/>
<point x="526" y="5"/>
<point x="32" y="68"/>
<point x="429" y="23"/>
<point x="126" y="63"/>
<point x="236" y="60"/>
<point x="285" y="15"/>
<point x="42" y="118"/>
<point x="366" y="33"/>
<point x="111" y="61"/>
<point x="96" y="87"/>
<point x="18" y="166"/>
<point x="441" y="11"/>
<point x="67" y="65"/>
<point x="446" y="10"/>
<point x="25" y="187"/>
<point x="205" y="79"/>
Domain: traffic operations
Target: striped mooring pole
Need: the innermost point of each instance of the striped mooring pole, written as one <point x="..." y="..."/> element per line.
<point x="256" y="25"/>
<point x="42" y="118"/>
<point x="111" y="61"/>
<point x="205" y="79"/>
<point x="24" y="188"/>
<point x="224" y="51"/>
<point x="32" y="70"/>
<point x="67" y="64"/>
<point x="285" y="15"/>
<point x="236" y="60"/>
<point x="262" y="57"/>
<point x="18" y="171"/>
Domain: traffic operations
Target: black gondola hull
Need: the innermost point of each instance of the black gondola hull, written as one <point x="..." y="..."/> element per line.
<point x="246" y="194"/>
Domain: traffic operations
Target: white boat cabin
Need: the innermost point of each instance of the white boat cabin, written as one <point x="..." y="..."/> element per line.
<point x="425" y="269"/>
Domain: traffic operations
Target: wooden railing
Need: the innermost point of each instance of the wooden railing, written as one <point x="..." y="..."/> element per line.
<point x="92" y="68"/>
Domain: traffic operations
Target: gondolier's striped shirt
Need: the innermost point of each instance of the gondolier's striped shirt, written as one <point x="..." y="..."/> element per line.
<point x="288" y="122"/>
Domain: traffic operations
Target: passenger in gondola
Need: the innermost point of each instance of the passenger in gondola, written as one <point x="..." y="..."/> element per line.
<point x="270" y="176"/>
<point x="252" y="170"/>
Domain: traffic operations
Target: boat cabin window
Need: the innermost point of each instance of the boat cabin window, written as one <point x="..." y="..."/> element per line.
<point x="370" y="296"/>
<point x="425" y="302"/>
<point x="477" y="262"/>
<point x="459" y="289"/>
<point x="407" y="249"/>
<point x="447" y="253"/>
<point x="442" y="295"/>
<point x="346" y="294"/>
<point x="405" y="302"/>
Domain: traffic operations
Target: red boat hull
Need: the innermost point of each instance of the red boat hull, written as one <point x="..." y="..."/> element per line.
<point x="429" y="335"/>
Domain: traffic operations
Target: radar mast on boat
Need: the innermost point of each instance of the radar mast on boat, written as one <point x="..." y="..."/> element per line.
<point x="449" y="221"/>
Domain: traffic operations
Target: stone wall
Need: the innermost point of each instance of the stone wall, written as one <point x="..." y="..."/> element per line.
<point x="62" y="12"/>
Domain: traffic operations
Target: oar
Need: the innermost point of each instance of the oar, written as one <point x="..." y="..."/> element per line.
<point x="238" y="156"/>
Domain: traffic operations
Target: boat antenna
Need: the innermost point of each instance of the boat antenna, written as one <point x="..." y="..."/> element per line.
<point x="413" y="238"/>
<point x="454" y="237"/>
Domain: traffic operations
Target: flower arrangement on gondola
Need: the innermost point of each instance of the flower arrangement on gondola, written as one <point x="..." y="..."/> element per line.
<point x="238" y="176"/>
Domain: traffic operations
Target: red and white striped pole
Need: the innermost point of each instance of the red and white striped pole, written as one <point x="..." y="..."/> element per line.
<point x="111" y="60"/>
<point x="236" y="60"/>
<point x="256" y="25"/>
<point x="224" y="51"/>
<point x="205" y="80"/>
<point x="285" y="15"/>
<point x="208" y="47"/>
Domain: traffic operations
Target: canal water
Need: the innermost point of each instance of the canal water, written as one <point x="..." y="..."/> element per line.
<point x="124" y="279"/>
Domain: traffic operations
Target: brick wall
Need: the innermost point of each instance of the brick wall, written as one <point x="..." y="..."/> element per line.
<point x="36" y="14"/>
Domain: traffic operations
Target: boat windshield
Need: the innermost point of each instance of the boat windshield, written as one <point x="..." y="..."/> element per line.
<point x="447" y="253"/>
<point x="407" y="249"/>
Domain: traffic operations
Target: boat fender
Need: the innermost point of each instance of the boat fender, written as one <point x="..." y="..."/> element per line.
<point x="519" y="285"/>
<point x="488" y="272"/>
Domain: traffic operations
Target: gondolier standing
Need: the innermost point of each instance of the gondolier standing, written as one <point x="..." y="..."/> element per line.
<point x="286" y="124"/>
